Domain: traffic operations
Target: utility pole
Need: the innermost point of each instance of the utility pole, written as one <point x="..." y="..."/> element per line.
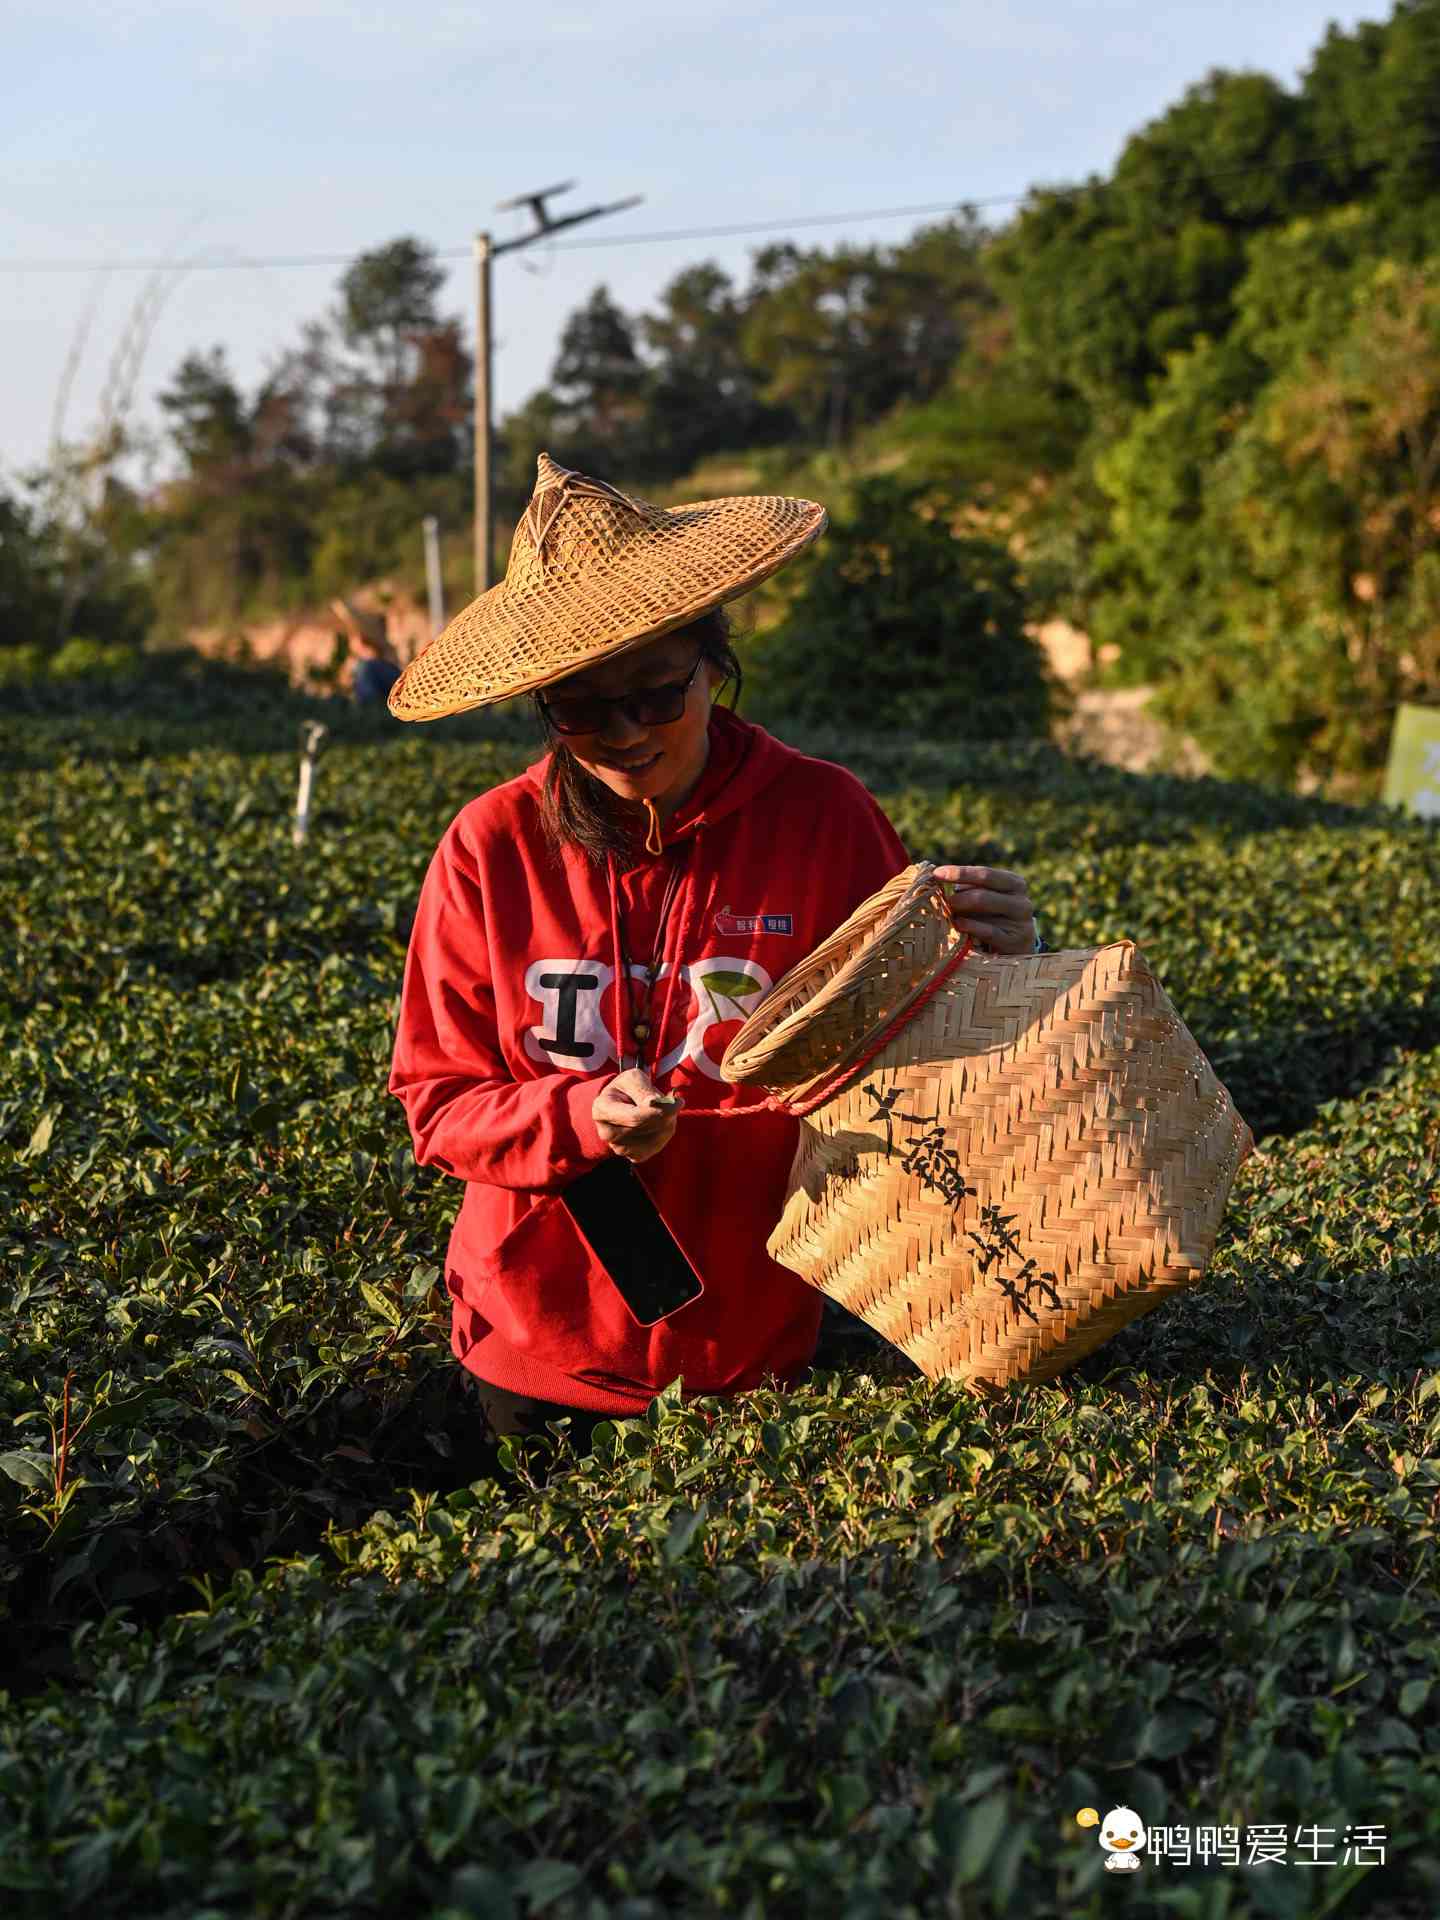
<point x="485" y="252"/>
<point x="484" y="517"/>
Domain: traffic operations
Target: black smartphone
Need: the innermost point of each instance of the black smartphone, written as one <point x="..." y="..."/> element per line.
<point x="612" y="1208"/>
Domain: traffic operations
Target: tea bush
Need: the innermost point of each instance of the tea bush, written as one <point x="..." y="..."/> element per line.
<point x="178" y="702"/>
<point x="859" y="1649"/>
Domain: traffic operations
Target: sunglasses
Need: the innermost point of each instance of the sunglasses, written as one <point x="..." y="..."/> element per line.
<point x="646" y="706"/>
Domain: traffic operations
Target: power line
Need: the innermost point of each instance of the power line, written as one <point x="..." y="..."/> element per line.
<point x="464" y="253"/>
<point x="807" y="220"/>
<point x="1070" y="190"/>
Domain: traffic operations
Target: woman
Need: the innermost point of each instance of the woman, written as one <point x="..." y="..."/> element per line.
<point x="589" y="933"/>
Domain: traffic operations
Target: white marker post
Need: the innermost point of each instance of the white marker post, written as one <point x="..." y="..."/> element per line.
<point x="312" y="738"/>
<point x="432" y="574"/>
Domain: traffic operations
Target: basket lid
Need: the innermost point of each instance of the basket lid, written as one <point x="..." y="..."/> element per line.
<point x="834" y="1003"/>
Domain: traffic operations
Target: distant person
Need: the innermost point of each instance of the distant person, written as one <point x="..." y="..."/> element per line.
<point x="375" y="668"/>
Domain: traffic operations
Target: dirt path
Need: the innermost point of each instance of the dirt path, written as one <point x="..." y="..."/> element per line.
<point x="1111" y="722"/>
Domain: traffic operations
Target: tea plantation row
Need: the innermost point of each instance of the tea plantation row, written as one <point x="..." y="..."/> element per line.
<point x="863" y="1648"/>
<point x="841" y="1651"/>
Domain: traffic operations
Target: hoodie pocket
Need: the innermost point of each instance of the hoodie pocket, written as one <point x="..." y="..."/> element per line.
<point x="546" y="1296"/>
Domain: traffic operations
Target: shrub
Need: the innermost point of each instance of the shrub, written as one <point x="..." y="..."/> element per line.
<point x="81" y="658"/>
<point x="898" y="624"/>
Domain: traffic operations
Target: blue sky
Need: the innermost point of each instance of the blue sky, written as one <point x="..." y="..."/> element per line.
<point x="142" y="130"/>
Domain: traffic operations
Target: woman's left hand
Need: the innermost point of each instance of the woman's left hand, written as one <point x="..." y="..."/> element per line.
<point x="994" y="906"/>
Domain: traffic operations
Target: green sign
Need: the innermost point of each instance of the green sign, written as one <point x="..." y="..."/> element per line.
<point x="1412" y="778"/>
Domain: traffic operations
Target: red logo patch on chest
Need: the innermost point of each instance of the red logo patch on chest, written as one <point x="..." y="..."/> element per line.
<point x="730" y="923"/>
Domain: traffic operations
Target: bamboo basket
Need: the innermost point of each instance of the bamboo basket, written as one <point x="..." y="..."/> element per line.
<point x="1004" y="1159"/>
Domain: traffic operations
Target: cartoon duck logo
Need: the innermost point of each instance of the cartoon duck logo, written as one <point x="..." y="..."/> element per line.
<point x="1122" y="1836"/>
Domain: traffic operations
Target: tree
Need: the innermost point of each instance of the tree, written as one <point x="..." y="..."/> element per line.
<point x="601" y="385"/>
<point x="1166" y="584"/>
<point x="1373" y="97"/>
<point x="1356" y="427"/>
<point x="1274" y="527"/>
<point x="844" y="336"/>
<point x="534" y="427"/>
<point x="208" y="419"/>
<point x="945" y="295"/>
<point x="29" y="585"/>
<point x="427" y="420"/>
<point x="1111" y="278"/>
<point x="1234" y="151"/>
<point x="386" y="297"/>
<point x="317" y="406"/>
<point x="404" y="406"/>
<point x="281" y="435"/>
<point x="900" y="624"/>
<point x="1302" y="281"/>
<point x="1099" y="305"/>
<point x="704" y="394"/>
<point x="1338" y="91"/>
<point x="59" y="581"/>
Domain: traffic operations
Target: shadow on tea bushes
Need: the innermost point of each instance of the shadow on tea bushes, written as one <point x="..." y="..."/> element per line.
<point x="868" y="1644"/>
<point x="1326" y="1262"/>
<point x="809" y="1654"/>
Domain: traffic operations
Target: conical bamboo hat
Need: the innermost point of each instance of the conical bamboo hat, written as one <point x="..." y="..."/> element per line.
<point x="593" y="573"/>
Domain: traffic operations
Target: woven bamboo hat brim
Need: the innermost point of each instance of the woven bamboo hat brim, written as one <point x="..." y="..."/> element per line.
<point x="1003" y="1158"/>
<point x="593" y="573"/>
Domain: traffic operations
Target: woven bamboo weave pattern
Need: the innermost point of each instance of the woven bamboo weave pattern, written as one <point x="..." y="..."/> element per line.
<point x="593" y="573"/>
<point x="1036" y="1157"/>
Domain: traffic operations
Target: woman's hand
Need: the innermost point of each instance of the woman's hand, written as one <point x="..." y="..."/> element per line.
<point x="995" y="906"/>
<point x="633" y="1117"/>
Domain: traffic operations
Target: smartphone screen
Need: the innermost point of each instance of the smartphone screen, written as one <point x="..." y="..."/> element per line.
<point x="612" y="1207"/>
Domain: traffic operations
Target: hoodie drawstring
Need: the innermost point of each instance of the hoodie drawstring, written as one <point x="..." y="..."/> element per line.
<point x="653" y="832"/>
<point x="686" y="918"/>
<point x="616" y="1028"/>
<point x="673" y="888"/>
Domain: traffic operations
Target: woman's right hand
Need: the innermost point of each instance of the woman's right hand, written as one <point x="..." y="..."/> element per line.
<point x="628" y="1118"/>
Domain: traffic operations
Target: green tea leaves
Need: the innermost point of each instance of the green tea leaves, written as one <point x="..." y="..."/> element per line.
<point x="38" y="1145"/>
<point x="686" y="1526"/>
<point x="30" y="1469"/>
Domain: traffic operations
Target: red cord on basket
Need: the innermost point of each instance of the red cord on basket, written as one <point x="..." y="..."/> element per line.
<point x="851" y="1070"/>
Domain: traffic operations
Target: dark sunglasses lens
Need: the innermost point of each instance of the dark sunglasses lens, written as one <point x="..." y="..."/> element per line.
<point x="659" y="704"/>
<point x="651" y="708"/>
<point x="575" y="716"/>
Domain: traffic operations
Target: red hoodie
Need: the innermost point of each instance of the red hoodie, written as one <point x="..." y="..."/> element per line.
<point x="506" y="1034"/>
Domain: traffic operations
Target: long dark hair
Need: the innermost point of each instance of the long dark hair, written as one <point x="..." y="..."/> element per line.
<point x="577" y="810"/>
